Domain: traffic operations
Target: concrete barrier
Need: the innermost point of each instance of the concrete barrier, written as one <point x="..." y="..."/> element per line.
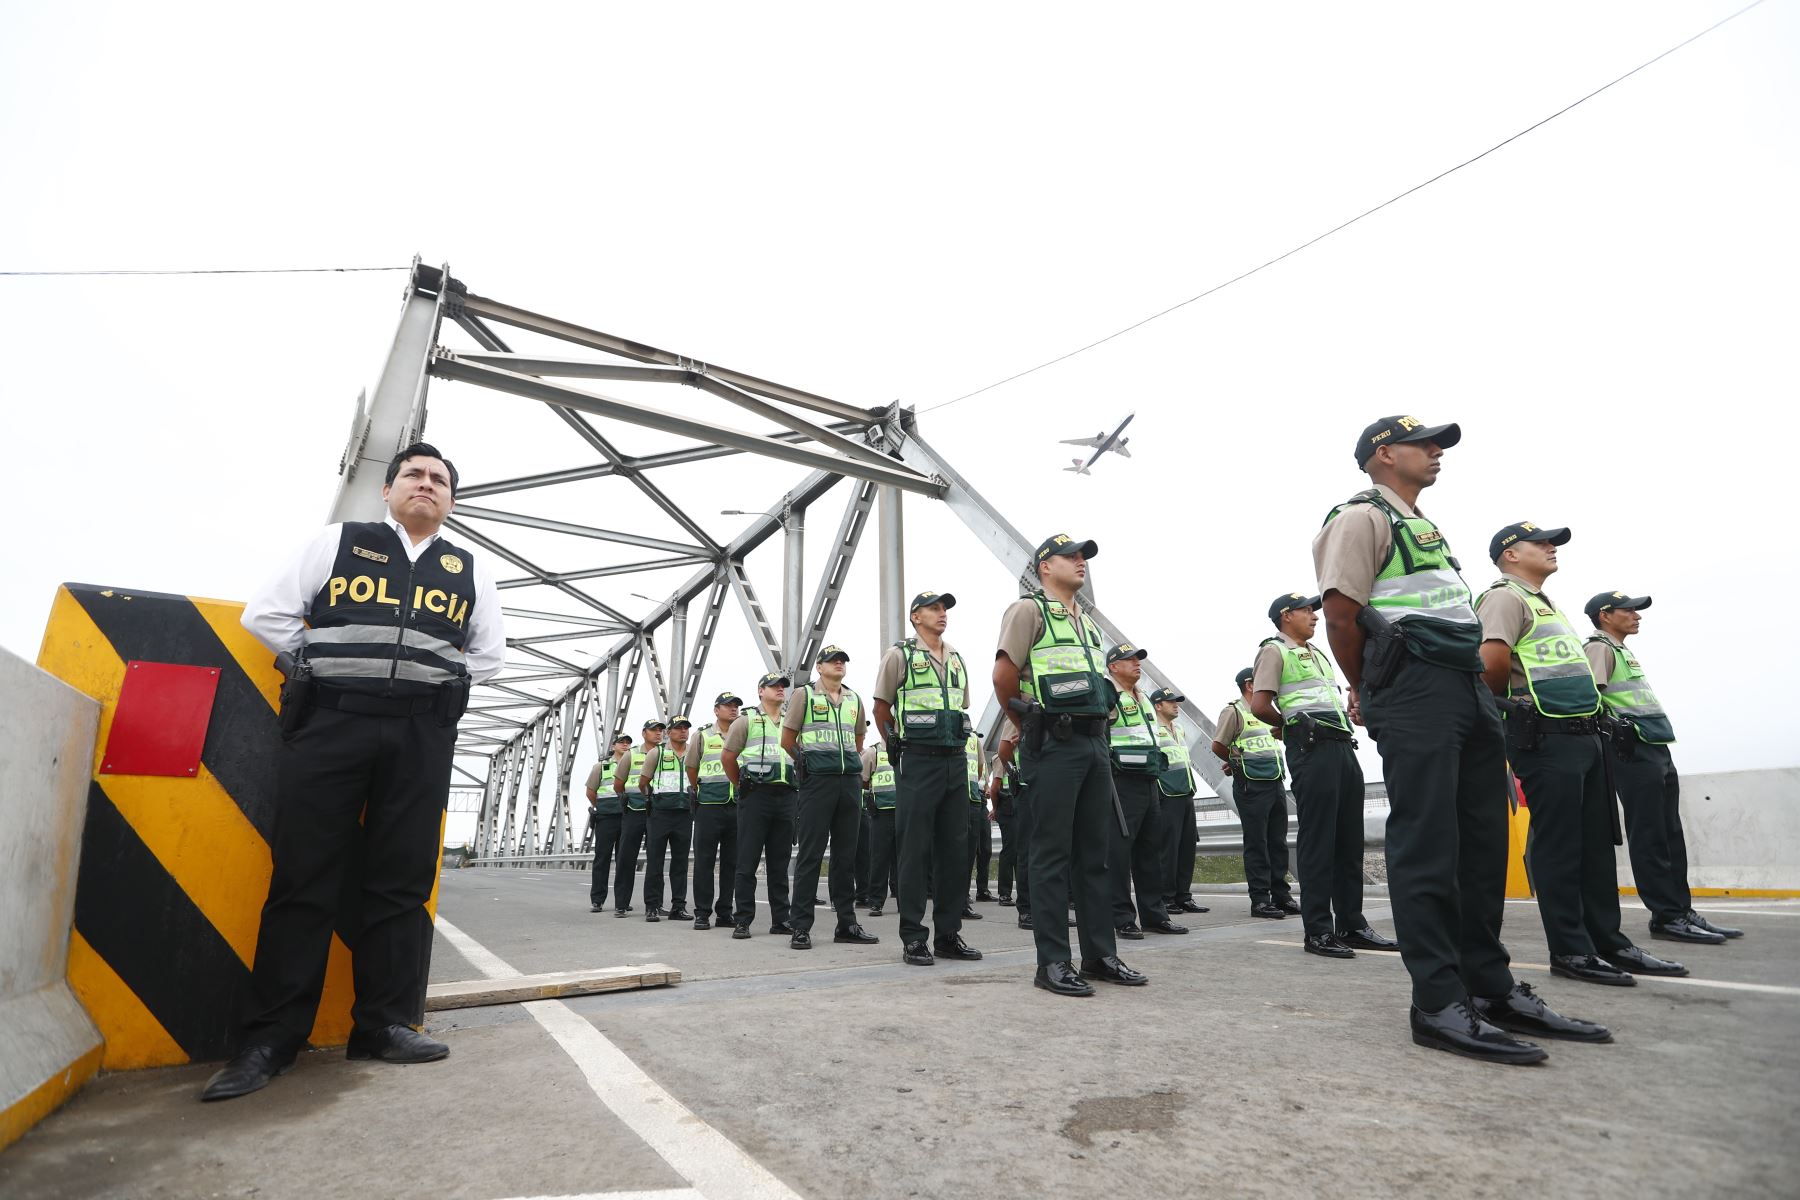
<point x="1743" y="832"/>
<point x="48" y="1046"/>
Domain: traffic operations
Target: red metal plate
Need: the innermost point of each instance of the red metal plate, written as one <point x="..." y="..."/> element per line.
<point x="159" y="724"/>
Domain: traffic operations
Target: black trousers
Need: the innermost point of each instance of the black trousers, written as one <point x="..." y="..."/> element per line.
<point x="715" y="839"/>
<point x="1180" y="830"/>
<point x="1444" y="761"/>
<point x="830" y="807"/>
<point x="1650" y="791"/>
<point x="766" y="837"/>
<point x="394" y="773"/>
<point x="1328" y="794"/>
<point x="1135" y="858"/>
<point x="671" y="838"/>
<point x="932" y="821"/>
<point x="1009" y="846"/>
<point x="634" y="830"/>
<point x="1022" y="827"/>
<point x="865" y="853"/>
<point x="981" y="847"/>
<point x="1071" y="805"/>
<point x="1570" y="847"/>
<point x="606" y="844"/>
<point x="884" y="864"/>
<point x="1262" y="810"/>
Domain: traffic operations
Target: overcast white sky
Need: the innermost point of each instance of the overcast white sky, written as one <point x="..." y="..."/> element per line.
<point x="909" y="203"/>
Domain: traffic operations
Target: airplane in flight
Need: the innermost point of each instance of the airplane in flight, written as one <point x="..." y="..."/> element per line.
<point x="1102" y="442"/>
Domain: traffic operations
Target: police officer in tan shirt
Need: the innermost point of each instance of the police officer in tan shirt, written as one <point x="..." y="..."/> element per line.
<point x="1262" y="808"/>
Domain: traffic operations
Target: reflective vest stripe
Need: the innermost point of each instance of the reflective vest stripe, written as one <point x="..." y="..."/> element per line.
<point x="828" y="732"/>
<point x="1308" y="684"/>
<point x="1557" y="676"/>
<point x="1628" y="694"/>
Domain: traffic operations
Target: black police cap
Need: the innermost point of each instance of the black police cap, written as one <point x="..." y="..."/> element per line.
<point x="1606" y="600"/>
<point x="1390" y="430"/>
<point x="1289" y="601"/>
<point x="774" y="679"/>
<point x="727" y="698"/>
<point x="927" y="598"/>
<point x="1123" y="651"/>
<point x="1161" y="694"/>
<point x="1062" y="543"/>
<point x="1524" y="531"/>
<point x="1245" y="676"/>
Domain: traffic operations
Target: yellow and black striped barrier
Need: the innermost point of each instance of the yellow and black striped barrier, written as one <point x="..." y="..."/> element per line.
<point x="175" y="860"/>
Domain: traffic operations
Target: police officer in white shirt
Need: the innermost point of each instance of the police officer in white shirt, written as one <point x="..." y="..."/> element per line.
<point x="381" y="627"/>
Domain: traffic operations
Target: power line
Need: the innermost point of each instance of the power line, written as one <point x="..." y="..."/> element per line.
<point x="1353" y="220"/>
<point x="222" y="271"/>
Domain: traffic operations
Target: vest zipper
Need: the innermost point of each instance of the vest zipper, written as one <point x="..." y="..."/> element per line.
<point x="405" y="612"/>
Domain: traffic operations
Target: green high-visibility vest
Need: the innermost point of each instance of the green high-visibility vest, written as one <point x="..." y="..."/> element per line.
<point x="668" y="780"/>
<point x="882" y="784"/>
<point x="1627" y="694"/>
<point x="714" y="787"/>
<point x="931" y="706"/>
<point x="1067" y="675"/>
<point x="1257" y="753"/>
<point x="1308" y="685"/>
<point x="1557" y="676"/>
<point x="1133" y="737"/>
<point x="1177" y="777"/>
<point x="606" y="802"/>
<point x="635" y="801"/>
<point x="1420" y="589"/>
<point x="828" y="732"/>
<point x="763" y="761"/>
<point x="972" y="751"/>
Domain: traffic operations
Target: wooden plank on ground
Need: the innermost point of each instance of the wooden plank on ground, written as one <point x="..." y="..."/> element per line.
<point x="472" y="993"/>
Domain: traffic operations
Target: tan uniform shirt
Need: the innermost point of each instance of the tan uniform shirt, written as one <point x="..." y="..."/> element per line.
<point x="1266" y="670"/>
<point x="696" y="748"/>
<point x="593" y="779"/>
<point x="653" y="755"/>
<point x="868" y="761"/>
<point x="795" y="716"/>
<point x="1600" y="658"/>
<point x="1230" y="724"/>
<point x="738" y="736"/>
<point x="1348" y="553"/>
<point x="1023" y="625"/>
<point x="892" y="669"/>
<point x="1505" y="618"/>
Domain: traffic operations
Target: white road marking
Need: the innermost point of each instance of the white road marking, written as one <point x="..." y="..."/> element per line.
<point x="1767" y="988"/>
<point x="716" y="1166"/>
<point x="665" y="1194"/>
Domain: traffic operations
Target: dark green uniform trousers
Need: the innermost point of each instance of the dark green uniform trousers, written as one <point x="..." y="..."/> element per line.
<point x="671" y="837"/>
<point x="634" y="827"/>
<point x="1262" y="810"/>
<point x="1004" y="816"/>
<point x="1071" y="803"/>
<point x="766" y="837"/>
<point x="1180" y="829"/>
<point x="1570" y="848"/>
<point x="981" y="846"/>
<point x="606" y="845"/>
<point x="715" y="840"/>
<point x="884" y="865"/>
<point x="1022" y="828"/>
<point x="1328" y="794"/>
<point x="829" y="807"/>
<point x="1444" y="762"/>
<point x="1650" y="791"/>
<point x="932" y="820"/>
<point x="1136" y="855"/>
<point x="865" y="853"/>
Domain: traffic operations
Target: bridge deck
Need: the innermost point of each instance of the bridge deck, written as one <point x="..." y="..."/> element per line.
<point x="1246" y="1068"/>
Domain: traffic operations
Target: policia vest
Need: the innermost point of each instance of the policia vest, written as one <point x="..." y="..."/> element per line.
<point x="606" y="802"/>
<point x="763" y="762"/>
<point x="1133" y="738"/>
<point x="668" y="780"/>
<point x="1177" y="777"/>
<point x="1558" y="680"/>
<point x="1420" y="589"/>
<point x="1255" y="751"/>
<point x="1628" y="696"/>
<point x="635" y="800"/>
<point x="1308" y="685"/>
<point x="972" y="752"/>
<point x="883" y="785"/>
<point x="386" y="626"/>
<point x="1067" y="672"/>
<point x="714" y="787"/>
<point x="828" y="731"/>
<point x="931" y="706"/>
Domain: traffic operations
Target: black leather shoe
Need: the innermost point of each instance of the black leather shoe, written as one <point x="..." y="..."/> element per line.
<point x="985" y="897"/>
<point x="1589" y="968"/>
<point x="1683" y="930"/>
<point x="1188" y="906"/>
<point x="739" y="932"/>
<point x="395" y="1044"/>
<point x="1062" y="979"/>
<point x="1165" y="926"/>
<point x="1326" y="945"/>
<point x="1025" y="921"/>
<point x="954" y="947"/>
<point x="1130" y="932"/>
<point x="875" y="910"/>
<point x="619" y="912"/>
<point x="1366" y="939"/>
<point x="249" y="1070"/>
<point x="1112" y="970"/>
<point x="596" y="908"/>
<point x="817" y="903"/>
<point x="781" y="927"/>
<point x="1005" y="900"/>
<point x="917" y="954"/>
<point x="1290" y="906"/>
<point x="701" y="922"/>
<point x="1641" y="962"/>
<point x="1459" y="1031"/>
<point x="1724" y="931"/>
<point x="856" y="935"/>
<point x="679" y="913"/>
<point x="1524" y="1011"/>
<point x="801" y="940"/>
<point x="969" y="913"/>
<point x="1268" y="912"/>
<point x="653" y="914"/>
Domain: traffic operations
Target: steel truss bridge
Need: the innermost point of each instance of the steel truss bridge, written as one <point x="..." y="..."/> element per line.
<point x="579" y="650"/>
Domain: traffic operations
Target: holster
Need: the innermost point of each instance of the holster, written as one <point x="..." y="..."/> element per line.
<point x="452" y="700"/>
<point x="296" y="691"/>
<point x="1384" y="648"/>
<point x="1524" y="727"/>
<point x="1622" y="733"/>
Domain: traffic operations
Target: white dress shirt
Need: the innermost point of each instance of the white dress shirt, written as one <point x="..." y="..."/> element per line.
<point x="277" y="613"/>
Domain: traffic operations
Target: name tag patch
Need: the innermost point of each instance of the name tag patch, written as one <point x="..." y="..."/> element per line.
<point x="368" y="554"/>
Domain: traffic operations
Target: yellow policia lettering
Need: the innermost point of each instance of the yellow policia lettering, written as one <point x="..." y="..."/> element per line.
<point x="334" y="589"/>
<point x="362" y="589"/>
<point x="381" y="593"/>
<point x="432" y="601"/>
<point x="1410" y="423"/>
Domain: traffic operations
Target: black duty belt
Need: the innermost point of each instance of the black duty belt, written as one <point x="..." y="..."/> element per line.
<point x="373" y="706"/>
<point x="1089" y="726"/>
<point x="1319" y="730"/>
<point x="932" y="751"/>
<point x="1568" y="725"/>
